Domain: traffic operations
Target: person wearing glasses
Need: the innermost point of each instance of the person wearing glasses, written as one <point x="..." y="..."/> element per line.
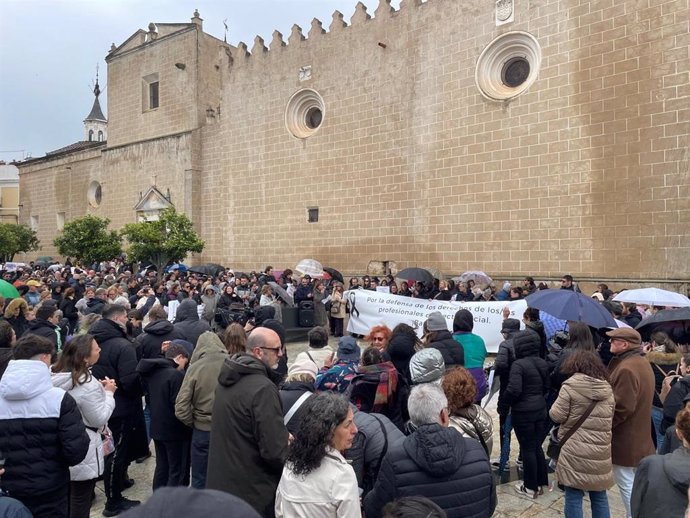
<point x="249" y="439"/>
<point x="567" y="283"/>
<point x="632" y="380"/>
<point x="378" y="337"/>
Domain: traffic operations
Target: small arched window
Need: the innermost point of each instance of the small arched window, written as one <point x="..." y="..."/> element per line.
<point x="100" y="136"/>
<point x="90" y="135"/>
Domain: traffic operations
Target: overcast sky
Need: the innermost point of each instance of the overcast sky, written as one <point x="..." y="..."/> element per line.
<point x="49" y="50"/>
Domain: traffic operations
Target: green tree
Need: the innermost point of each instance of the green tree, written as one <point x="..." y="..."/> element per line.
<point x="88" y="240"/>
<point x="15" y="239"/>
<point x="170" y="238"/>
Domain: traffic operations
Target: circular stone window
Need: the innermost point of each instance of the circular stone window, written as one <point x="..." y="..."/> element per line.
<point x="94" y="194"/>
<point x="508" y="66"/>
<point x="304" y="113"/>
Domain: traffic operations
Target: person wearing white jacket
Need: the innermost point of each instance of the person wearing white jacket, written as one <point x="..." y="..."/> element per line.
<point x="317" y="481"/>
<point x="95" y="401"/>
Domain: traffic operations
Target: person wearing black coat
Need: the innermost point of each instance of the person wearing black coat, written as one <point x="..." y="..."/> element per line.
<point x="400" y="348"/>
<point x="435" y="462"/>
<point x="249" y="440"/>
<point x="187" y="322"/>
<point x="504" y="360"/>
<point x="159" y="330"/>
<point x="375" y="435"/>
<point x="69" y="311"/>
<point x="45" y="325"/>
<point x="661" y="481"/>
<point x="162" y="379"/>
<point x="41" y="431"/>
<point x="439" y="337"/>
<point x="527" y="386"/>
<point x="118" y="361"/>
<point x="296" y="390"/>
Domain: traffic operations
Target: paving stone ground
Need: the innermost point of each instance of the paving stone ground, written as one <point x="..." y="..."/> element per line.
<point x="510" y="504"/>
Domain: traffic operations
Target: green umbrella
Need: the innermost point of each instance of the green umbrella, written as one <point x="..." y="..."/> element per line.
<point x="7" y="290"/>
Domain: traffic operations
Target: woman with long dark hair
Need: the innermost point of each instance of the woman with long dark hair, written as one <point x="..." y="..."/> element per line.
<point x="95" y="400"/>
<point x="317" y="481"/>
<point x="584" y="463"/>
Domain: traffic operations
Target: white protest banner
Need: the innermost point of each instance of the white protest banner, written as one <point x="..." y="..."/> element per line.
<point x="371" y="308"/>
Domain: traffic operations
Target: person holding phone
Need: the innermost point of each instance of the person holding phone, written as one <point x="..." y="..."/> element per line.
<point x="95" y="401"/>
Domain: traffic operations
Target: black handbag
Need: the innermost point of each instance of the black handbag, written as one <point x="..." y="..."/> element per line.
<point x="553" y="450"/>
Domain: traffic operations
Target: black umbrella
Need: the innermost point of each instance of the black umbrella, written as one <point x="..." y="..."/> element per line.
<point x="335" y="274"/>
<point x="674" y="322"/>
<point x="416" y="274"/>
<point x="210" y="269"/>
<point x="280" y="291"/>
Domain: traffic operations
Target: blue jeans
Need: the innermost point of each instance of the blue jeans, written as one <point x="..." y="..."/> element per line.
<point x="573" y="503"/>
<point x="657" y="417"/>
<point x="200" y="441"/>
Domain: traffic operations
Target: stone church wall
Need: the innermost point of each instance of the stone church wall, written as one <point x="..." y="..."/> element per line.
<point x="585" y="173"/>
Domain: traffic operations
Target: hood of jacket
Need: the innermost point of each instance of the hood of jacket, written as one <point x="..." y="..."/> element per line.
<point x="25" y="379"/>
<point x="186" y="311"/>
<point x="663" y="358"/>
<point x="62" y="380"/>
<point x="149" y="365"/>
<point x="427" y="366"/>
<point x="264" y="313"/>
<point x="105" y="329"/>
<point x="526" y="343"/>
<point x="208" y="343"/>
<point x="240" y="365"/>
<point x="436" y="449"/>
<point x="300" y="386"/>
<point x="590" y="388"/>
<point x="463" y="321"/>
<point x="38" y="323"/>
<point x="14" y="304"/>
<point x="536" y="325"/>
<point x="187" y="501"/>
<point x="94" y="303"/>
<point x="676" y="468"/>
<point x="159" y="327"/>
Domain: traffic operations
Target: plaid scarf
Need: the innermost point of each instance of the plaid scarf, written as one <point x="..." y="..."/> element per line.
<point x="388" y="381"/>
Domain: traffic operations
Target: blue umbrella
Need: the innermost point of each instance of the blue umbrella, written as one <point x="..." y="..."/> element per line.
<point x="176" y="267"/>
<point x="570" y="305"/>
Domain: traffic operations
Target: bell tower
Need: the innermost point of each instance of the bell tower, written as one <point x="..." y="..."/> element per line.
<point x="95" y="124"/>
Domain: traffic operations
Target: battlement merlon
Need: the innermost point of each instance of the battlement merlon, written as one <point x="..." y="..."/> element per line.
<point x="361" y="16"/>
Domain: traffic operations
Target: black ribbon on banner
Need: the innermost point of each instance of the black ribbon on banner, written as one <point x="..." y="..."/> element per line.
<point x="351" y="298"/>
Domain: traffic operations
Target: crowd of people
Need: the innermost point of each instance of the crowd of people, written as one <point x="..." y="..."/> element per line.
<point x="99" y="364"/>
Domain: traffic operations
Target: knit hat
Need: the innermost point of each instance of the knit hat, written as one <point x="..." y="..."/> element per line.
<point x="436" y="322"/>
<point x="510" y="325"/>
<point x="626" y="333"/>
<point x="427" y="366"/>
<point x="303" y="365"/>
<point x="348" y="349"/>
<point x="506" y="286"/>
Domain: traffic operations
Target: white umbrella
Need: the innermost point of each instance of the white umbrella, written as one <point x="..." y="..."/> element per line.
<point x="477" y="276"/>
<point x="310" y="267"/>
<point x="653" y="297"/>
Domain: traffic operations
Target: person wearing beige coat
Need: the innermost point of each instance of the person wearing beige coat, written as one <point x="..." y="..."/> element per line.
<point x="584" y="463"/>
